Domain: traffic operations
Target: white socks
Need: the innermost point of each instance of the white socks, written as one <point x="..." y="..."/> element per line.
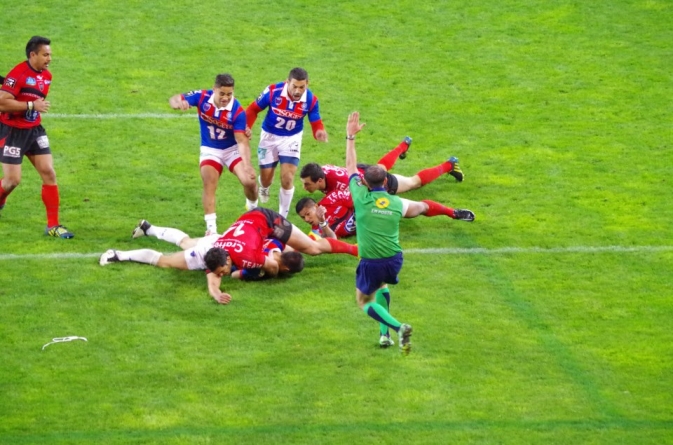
<point x="249" y="205"/>
<point x="167" y="234"/>
<point x="285" y="198"/>
<point x="211" y="222"/>
<point x="147" y="256"/>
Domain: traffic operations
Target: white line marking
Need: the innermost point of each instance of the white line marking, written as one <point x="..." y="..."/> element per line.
<point x="120" y="116"/>
<point x="572" y="249"/>
<point x="447" y="250"/>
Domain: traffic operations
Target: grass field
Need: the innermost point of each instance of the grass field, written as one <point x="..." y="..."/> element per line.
<point x="547" y="320"/>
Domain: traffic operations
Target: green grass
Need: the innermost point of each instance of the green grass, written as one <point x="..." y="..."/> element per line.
<point x="560" y="115"/>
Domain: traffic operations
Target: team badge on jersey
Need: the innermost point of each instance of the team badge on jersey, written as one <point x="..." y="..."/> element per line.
<point x="382" y="203"/>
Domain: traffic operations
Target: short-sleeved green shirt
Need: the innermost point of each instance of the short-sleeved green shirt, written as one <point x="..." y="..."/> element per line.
<point x="378" y="215"/>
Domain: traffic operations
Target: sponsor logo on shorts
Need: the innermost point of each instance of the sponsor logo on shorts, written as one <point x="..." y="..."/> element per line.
<point x="43" y="142"/>
<point x="30" y="81"/>
<point x="11" y="152"/>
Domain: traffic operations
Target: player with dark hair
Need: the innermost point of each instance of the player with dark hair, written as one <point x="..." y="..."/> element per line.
<point x="328" y="178"/>
<point x="244" y="242"/>
<point x="280" y="140"/>
<point x="22" y="100"/>
<point x="289" y="262"/>
<point x="224" y="142"/>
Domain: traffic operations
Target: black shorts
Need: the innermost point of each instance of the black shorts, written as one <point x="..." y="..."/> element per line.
<point x="282" y="228"/>
<point x="15" y="143"/>
<point x="392" y="183"/>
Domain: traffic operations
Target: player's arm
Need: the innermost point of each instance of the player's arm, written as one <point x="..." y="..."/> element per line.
<point x="251" y="114"/>
<point x="319" y="132"/>
<point x="250" y="275"/>
<point x="214" y="282"/>
<point x="322" y="223"/>
<point x="271" y="266"/>
<point x="178" y="102"/>
<point x="257" y="105"/>
<point x="9" y="104"/>
<point x="353" y="127"/>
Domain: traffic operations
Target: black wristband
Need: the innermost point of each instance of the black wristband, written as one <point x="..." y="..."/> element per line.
<point x="350" y="138"/>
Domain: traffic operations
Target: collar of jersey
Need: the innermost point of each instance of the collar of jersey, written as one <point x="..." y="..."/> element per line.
<point x="287" y="96"/>
<point x="378" y="189"/>
<point x="227" y="108"/>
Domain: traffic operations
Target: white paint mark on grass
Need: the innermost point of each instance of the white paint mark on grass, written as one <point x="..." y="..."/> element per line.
<point x="120" y="116"/>
<point x="441" y="251"/>
<point x="526" y="250"/>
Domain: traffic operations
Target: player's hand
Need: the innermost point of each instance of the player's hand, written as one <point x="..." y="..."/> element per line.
<point x="222" y="298"/>
<point x="320" y="213"/>
<point x="248" y="132"/>
<point x="321" y="135"/>
<point x="183" y="105"/>
<point x="41" y="105"/>
<point x="353" y="125"/>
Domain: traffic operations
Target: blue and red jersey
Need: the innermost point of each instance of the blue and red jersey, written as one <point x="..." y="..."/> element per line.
<point x="284" y="117"/>
<point x="218" y="125"/>
<point x="26" y="85"/>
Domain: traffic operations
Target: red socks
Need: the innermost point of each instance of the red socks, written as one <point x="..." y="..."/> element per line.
<point x="388" y="161"/>
<point x="341" y="247"/>
<point x="436" y="209"/>
<point x="51" y="202"/>
<point x="430" y="174"/>
<point x="3" y="194"/>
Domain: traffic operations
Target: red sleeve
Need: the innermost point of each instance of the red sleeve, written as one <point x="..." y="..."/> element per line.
<point x="315" y="126"/>
<point x="251" y="113"/>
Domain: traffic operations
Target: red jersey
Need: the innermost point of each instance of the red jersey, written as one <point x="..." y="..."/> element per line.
<point x="339" y="213"/>
<point x="244" y="240"/>
<point x="25" y="84"/>
<point x="336" y="178"/>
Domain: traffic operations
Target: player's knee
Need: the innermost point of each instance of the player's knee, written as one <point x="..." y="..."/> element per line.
<point x="9" y="183"/>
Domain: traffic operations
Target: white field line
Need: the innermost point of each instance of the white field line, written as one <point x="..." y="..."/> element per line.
<point x="120" y="116"/>
<point x="440" y="251"/>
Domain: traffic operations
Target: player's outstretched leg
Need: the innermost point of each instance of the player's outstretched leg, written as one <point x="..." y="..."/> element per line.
<point x="437" y="209"/>
<point x="388" y="160"/>
<point x="303" y="243"/>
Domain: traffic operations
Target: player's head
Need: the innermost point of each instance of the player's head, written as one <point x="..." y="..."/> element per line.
<point x="297" y="83"/>
<point x="223" y="90"/>
<point x="218" y="261"/>
<point x="306" y="209"/>
<point x="292" y="262"/>
<point x="375" y="176"/>
<point x="312" y="177"/>
<point x="38" y="52"/>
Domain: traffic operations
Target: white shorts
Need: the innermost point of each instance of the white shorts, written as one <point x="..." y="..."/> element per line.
<point x="273" y="148"/>
<point x="194" y="256"/>
<point x="227" y="157"/>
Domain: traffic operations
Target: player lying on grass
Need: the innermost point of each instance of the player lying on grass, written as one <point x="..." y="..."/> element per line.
<point x="329" y="178"/>
<point x="334" y="216"/>
<point x="242" y="245"/>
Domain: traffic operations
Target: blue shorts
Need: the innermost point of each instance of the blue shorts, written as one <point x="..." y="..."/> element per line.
<point x="372" y="274"/>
